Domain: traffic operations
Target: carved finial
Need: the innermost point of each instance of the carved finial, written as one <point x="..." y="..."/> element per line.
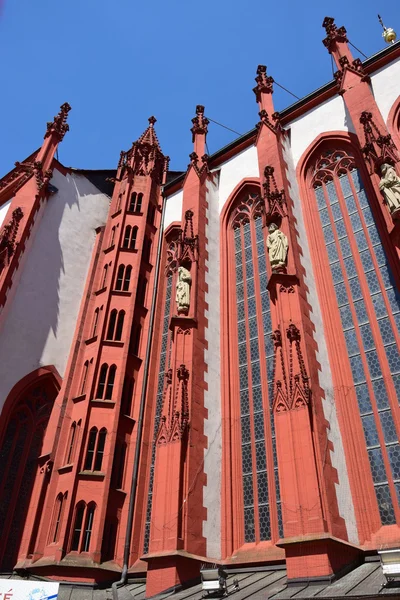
<point x="200" y="122"/>
<point x="333" y="33"/>
<point x="152" y="121"/>
<point x="264" y="82"/>
<point x="59" y="125"/>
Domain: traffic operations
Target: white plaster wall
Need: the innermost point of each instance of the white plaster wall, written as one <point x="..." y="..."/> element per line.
<point x="345" y="502"/>
<point x="244" y="164"/>
<point x="173" y="210"/>
<point x="386" y="87"/>
<point x="3" y="211"/>
<point x="329" y="116"/>
<point x="212" y="396"/>
<point x="41" y="319"/>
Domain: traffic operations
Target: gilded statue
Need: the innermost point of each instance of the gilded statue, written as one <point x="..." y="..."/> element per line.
<point x="277" y="244"/>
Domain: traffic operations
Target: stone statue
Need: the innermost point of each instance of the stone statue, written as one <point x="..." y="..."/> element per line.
<point x="277" y="244"/>
<point x="183" y="290"/>
<point x="390" y="187"/>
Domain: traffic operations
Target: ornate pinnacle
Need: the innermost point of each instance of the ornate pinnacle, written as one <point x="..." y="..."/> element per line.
<point x="333" y="33"/>
<point x="59" y="126"/>
<point x="152" y="121"/>
<point x="200" y="122"/>
<point x="264" y="82"/>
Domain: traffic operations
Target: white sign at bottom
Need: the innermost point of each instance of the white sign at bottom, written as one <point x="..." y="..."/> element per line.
<point x="16" y="589"/>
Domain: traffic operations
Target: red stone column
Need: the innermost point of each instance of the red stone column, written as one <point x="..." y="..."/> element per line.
<point x="177" y="545"/>
<point x="311" y="519"/>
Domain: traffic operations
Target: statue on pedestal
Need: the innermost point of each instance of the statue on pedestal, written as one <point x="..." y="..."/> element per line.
<point x="277" y="244"/>
<point x="390" y="187"/>
<point x="182" y="297"/>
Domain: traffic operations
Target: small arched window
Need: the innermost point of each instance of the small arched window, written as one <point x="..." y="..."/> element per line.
<point x="112" y="236"/>
<point x="58" y="515"/>
<point x="95" y="321"/>
<point x="95" y="449"/>
<point x="84" y="377"/>
<point x="111" y="324"/>
<point x="87" y="534"/>
<point x="102" y="381"/>
<point x="72" y="439"/>
<point x="90" y="449"/>
<point x="138" y="206"/>
<point x="132" y="204"/>
<point x="101" y="442"/>
<point x="127" y="278"/>
<point x="77" y="532"/>
<point x="104" y="278"/>
<point x="132" y="243"/>
<point x="120" y="325"/>
<point x="120" y="277"/>
<point x="110" y="382"/>
<point x="127" y="236"/>
<point x="118" y="204"/>
<point x="83" y="526"/>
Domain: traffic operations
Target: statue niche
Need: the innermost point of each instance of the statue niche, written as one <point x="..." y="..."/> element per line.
<point x="182" y="297"/>
<point x="390" y="188"/>
<point x="277" y="244"/>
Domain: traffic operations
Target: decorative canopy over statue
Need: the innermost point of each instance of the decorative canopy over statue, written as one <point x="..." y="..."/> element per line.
<point x="390" y="187"/>
<point x="277" y="244"/>
<point x="183" y="284"/>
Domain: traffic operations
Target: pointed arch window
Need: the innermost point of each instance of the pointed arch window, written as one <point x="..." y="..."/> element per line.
<point x="366" y="299"/>
<point x="72" y="441"/>
<point x="95" y="449"/>
<point x="83" y="526"/>
<point x="254" y="367"/>
<point x="120" y="277"/>
<point x="135" y="205"/>
<point x="127" y="278"/>
<point x="118" y="204"/>
<point x="111" y="324"/>
<point x="84" y="376"/>
<point x="132" y="203"/>
<point x="104" y="277"/>
<point x="120" y="325"/>
<point x="110" y="382"/>
<point x="130" y="237"/>
<point x="112" y="236"/>
<point x="105" y="384"/>
<point x="58" y="516"/>
<point x="95" y="321"/>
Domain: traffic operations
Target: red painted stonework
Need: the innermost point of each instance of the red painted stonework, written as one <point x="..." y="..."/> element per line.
<point x="78" y="435"/>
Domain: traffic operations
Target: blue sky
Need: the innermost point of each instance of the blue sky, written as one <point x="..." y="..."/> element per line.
<point x="119" y="61"/>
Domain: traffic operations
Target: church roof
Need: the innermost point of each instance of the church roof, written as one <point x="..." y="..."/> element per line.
<point x="365" y="581"/>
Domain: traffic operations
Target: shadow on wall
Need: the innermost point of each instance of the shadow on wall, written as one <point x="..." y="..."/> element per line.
<point x="41" y="317"/>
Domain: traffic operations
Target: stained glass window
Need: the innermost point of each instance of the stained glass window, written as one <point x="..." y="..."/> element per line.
<point x="369" y="309"/>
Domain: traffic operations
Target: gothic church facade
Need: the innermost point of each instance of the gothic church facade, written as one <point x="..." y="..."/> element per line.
<point x="203" y="367"/>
